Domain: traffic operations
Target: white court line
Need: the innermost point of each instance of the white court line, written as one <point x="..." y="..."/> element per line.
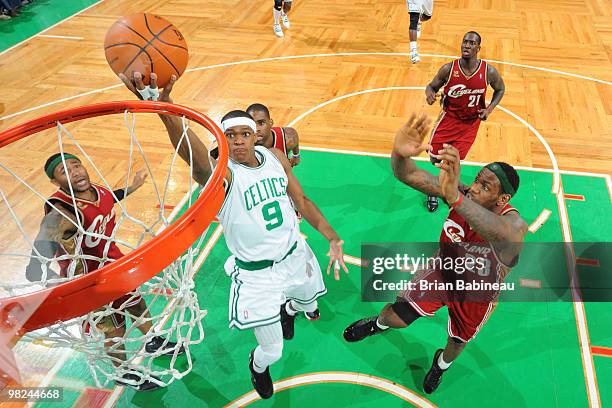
<point x="63" y="37"/>
<point x="551" y="155"/>
<point x="339" y="377"/>
<point x="49" y="28"/>
<point x="540" y="220"/>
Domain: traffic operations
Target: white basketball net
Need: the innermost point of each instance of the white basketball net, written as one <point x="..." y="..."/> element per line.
<point x="172" y="306"/>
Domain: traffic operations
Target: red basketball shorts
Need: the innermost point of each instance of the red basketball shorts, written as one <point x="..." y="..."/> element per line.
<point x="464" y="318"/>
<point x="458" y="133"/>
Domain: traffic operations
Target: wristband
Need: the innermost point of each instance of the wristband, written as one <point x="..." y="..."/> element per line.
<point x="457" y="201"/>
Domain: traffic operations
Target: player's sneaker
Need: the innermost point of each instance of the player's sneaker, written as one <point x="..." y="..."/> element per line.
<point x="414" y="57"/>
<point x="434" y="375"/>
<point x="262" y="382"/>
<point x="313" y="315"/>
<point x="419" y="28"/>
<point x="278" y="30"/>
<point x="431" y="203"/>
<point x="146" y="385"/>
<point x="287" y="322"/>
<point x="158" y="342"/>
<point x="361" y="329"/>
<point x="285" y="21"/>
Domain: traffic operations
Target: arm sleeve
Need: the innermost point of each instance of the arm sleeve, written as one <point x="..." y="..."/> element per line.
<point x="34" y="270"/>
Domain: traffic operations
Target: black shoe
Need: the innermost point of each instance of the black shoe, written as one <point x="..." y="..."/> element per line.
<point x="287" y="322"/>
<point x="313" y="315"/>
<point x="262" y="382"/>
<point x="146" y="385"/>
<point x="158" y="342"/>
<point x="361" y="329"/>
<point x="431" y="203"/>
<point x="434" y="375"/>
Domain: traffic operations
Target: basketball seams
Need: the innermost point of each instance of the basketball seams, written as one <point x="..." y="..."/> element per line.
<point x="149" y="42"/>
<point x="159" y="39"/>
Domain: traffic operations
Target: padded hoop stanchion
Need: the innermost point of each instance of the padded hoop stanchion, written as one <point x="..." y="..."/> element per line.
<point x="81" y="295"/>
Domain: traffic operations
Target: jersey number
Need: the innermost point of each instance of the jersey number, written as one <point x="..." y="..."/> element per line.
<point x="272" y="213"/>
<point x="474" y="100"/>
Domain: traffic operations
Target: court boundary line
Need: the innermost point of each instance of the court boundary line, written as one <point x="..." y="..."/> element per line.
<point x="343" y="377"/>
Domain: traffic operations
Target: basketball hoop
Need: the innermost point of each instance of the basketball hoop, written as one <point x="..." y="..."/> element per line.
<point x="168" y="251"/>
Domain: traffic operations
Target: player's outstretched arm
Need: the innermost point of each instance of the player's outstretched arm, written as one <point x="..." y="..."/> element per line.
<point x="408" y="143"/>
<point x="439" y="80"/>
<point x="54" y="228"/>
<point x="293" y="143"/>
<point x="313" y="215"/>
<point x="174" y="126"/>
<point x="499" y="88"/>
<point x="501" y="230"/>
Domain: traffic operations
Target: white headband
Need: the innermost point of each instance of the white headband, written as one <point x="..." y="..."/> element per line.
<point x="241" y="120"/>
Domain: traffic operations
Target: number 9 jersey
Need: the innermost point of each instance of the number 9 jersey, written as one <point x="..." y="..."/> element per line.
<point x="257" y="216"/>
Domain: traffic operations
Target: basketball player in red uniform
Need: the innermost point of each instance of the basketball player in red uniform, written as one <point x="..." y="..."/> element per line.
<point x="463" y="100"/>
<point x="481" y="224"/>
<point x="285" y="139"/>
<point x="59" y="236"/>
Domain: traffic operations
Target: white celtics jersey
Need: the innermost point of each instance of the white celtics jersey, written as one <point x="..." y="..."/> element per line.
<point x="259" y="222"/>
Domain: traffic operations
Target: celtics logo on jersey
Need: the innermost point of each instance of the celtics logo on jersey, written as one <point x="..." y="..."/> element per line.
<point x="262" y="194"/>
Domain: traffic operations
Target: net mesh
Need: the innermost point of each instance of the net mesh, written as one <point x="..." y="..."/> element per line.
<point x="162" y="317"/>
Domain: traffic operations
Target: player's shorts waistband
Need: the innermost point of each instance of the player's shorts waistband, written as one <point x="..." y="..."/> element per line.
<point x="266" y="263"/>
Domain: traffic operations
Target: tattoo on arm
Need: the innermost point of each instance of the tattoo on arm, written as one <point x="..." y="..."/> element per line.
<point x="492" y="227"/>
<point x="406" y="171"/>
<point x="292" y="139"/>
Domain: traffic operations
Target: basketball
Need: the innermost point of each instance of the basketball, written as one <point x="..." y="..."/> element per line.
<point x="146" y="43"/>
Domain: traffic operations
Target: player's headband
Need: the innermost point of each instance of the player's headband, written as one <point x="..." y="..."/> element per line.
<point x="54" y="163"/>
<point x="502" y="177"/>
<point x="239" y="121"/>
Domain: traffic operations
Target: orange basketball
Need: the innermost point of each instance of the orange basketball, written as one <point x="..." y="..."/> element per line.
<point x="146" y="43"/>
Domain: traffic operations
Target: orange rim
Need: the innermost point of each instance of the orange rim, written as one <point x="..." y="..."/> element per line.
<point x="83" y="294"/>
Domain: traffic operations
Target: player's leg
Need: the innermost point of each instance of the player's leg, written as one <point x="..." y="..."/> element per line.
<point x="138" y="308"/>
<point x="403" y="312"/>
<point x="305" y="286"/>
<point x="414" y="11"/>
<point x="444" y="131"/>
<point x="441" y="362"/>
<point x="284" y="18"/>
<point x="466" y="320"/>
<point x="276" y="12"/>
<point x="269" y="350"/>
<point x="113" y="327"/>
<point x="426" y="13"/>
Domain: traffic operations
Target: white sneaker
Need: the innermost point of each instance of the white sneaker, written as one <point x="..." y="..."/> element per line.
<point x="419" y="28"/>
<point x="285" y="20"/>
<point x="414" y="57"/>
<point x="278" y="30"/>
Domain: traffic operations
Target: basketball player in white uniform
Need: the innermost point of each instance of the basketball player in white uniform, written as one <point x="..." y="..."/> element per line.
<point x="419" y="10"/>
<point x="273" y="270"/>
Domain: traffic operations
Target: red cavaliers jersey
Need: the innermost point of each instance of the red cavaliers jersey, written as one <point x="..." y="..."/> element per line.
<point x="465" y="95"/>
<point x="279" y="139"/>
<point x="97" y="217"/>
<point x="459" y="240"/>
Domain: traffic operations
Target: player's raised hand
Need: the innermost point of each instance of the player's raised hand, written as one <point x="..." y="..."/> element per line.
<point x="336" y="258"/>
<point x="409" y="138"/>
<point x="450" y="170"/>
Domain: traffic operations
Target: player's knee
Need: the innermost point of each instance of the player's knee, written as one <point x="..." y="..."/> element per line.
<point x="272" y="352"/>
<point x="414" y="20"/>
<point x="404" y="312"/>
<point x="287" y="6"/>
<point x="278" y="4"/>
<point x="458" y="341"/>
